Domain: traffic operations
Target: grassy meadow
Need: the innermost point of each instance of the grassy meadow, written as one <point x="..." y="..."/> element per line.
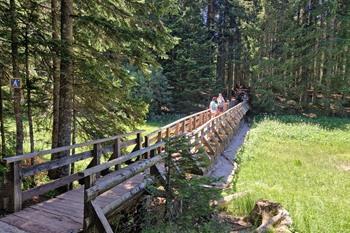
<point x="302" y="163"/>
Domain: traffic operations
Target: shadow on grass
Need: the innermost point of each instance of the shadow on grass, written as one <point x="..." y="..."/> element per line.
<point x="327" y="123"/>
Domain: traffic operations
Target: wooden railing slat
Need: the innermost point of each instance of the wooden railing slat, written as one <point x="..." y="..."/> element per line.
<point x="103" y="222"/>
<point x="50" y="186"/>
<point x="120" y="176"/>
<point x="109" y="208"/>
<point x="29" y="171"/>
<point x="119" y="160"/>
<point x="65" y="148"/>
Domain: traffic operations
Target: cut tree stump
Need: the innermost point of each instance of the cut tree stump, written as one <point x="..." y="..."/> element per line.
<point x="269" y="215"/>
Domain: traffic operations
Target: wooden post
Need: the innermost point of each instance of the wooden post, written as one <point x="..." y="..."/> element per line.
<point x="184" y="126"/>
<point x="96" y="154"/>
<point x="139" y="143"/>
<point x="194" y="123"/>
<point x="88" y="225"/>
<point x="153" y="169"/>
<point x="15" y="186"/>
<point x="116" y="151"/>
<point x="168" y="133"/>
<point x="159" y="140"/>
<point x="146" y="155"/>
<point x="177" y="129"/>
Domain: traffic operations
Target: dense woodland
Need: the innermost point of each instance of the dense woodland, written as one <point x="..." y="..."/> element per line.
<point x="90" y="69"/>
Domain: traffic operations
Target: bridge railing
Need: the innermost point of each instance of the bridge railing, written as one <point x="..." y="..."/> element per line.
<point x="211" y="133"/>
<point x="181" y="126"/>
<point x="215" y="134"/>
<point x="94" y="215"/>
<point x="92" y="150"/>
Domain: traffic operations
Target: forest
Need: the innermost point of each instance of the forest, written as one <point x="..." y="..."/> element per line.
<point x="89" y="69"/>
<point x="80" y="78"/>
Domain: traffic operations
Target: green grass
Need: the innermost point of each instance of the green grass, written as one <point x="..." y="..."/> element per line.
<point x="302" y="164"/>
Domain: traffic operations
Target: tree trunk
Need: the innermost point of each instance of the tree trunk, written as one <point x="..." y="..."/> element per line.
<point x="28" y="87"/>
<point x="210" y="14"/>
<point x="15" y="72"/>
<point x="2" y="127"/>
<point x="66" y="84"/>
<point x="55" y="71"/>
<point x="221" y="57"/>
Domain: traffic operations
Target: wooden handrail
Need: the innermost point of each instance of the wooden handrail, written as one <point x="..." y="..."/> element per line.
<point x="177" y="122"/>
<point x="65" y="148"/>
<point x="121" y="176"/>
<point x="120" y="160"/>
<point x="217" y="117"/>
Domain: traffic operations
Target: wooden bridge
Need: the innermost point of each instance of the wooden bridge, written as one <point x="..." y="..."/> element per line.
<point x="110" y="182"/>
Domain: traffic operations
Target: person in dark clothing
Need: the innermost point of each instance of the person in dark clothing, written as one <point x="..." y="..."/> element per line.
<point x="233" y="102"/>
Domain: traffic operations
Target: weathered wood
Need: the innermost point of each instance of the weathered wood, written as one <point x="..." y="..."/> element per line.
<point x="207" y="144"/>
<point x="120" y="176"/>
<point x="116" y="152"/>
<point x="103" y="222"/>
<point x="127" y="196"/>
<point x="65" y="148"/>
<point x="50" y="186"/>
<point x="217" y="134"/>
<point x="230" y="124"/>
<point x="15" y="186"/>
<point x="29" y="171"/>
<point x="138" y="141"/>
<point x="177" y="128"/>
<point x="128" y="143"/>
<point x="224" y="128"/>
<point x="147" y="144"/>
<point x="167" y="132"/>
<point x="119" y="160"/>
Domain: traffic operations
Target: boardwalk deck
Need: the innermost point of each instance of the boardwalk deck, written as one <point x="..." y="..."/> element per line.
<point x="63" y="214"/>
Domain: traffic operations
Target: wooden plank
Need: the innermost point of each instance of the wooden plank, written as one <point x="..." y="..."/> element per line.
<point x="106" y="227"/>
<point x="217" y="135"/>
<point x="128" y="143"/>
<point x="9" y="229"/>
<point x="29" y="171"/>
<point x="207" y="144"/>
<point x="229" y="123"/>
<point x="36" y="221"/>
<point x="64" y="210"/>
<point x="76" y="195"/>
<point x="127" y="196"/>
<point x="224" y="128"/>
<point x="121" y="175"/>
<point x="119" y="160"/>
<point x="27" y="225"/>
<point x="51" y="186"/>
<point x="63" y="207"/>
<point x="65" y="148"/>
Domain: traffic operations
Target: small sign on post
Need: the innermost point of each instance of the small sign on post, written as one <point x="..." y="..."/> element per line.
<point x="15" y="83"/>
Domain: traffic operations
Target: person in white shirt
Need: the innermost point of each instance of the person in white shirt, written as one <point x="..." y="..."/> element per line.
<point x="213" y="107"/>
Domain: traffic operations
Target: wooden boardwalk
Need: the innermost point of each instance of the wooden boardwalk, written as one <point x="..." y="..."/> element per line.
<point x="63" y="214"/>
<point x="106" y="191"/>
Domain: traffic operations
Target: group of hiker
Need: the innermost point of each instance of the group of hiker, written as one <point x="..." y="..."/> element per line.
<point x="218" y="104"/>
